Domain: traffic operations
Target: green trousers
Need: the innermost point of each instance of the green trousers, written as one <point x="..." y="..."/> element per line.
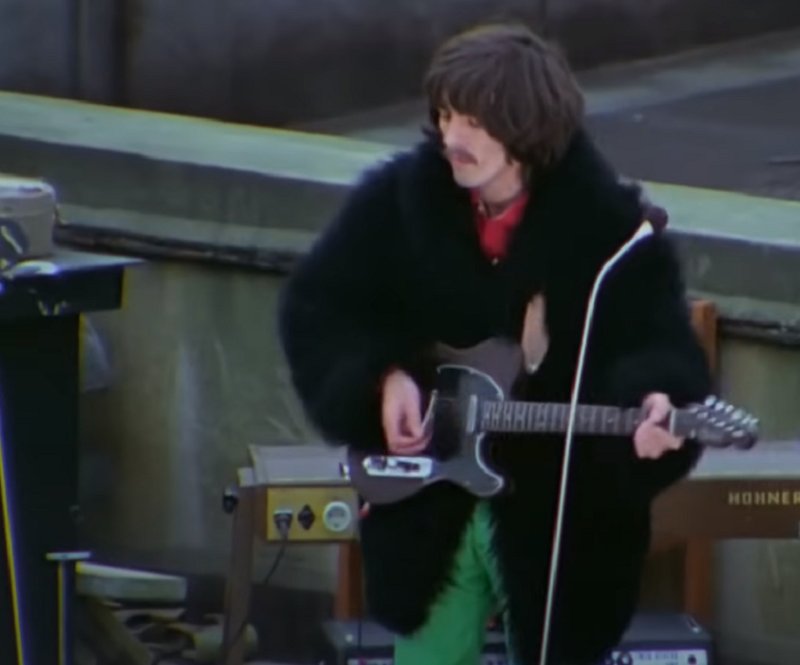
<point x="456" y="628"/>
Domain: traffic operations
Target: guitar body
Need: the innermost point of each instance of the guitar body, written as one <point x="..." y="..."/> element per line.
<point x="465" y="379"/>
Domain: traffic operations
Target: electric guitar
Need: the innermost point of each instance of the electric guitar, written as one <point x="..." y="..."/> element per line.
<point x="469" y="401"/>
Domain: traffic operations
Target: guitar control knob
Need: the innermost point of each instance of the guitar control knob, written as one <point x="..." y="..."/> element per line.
<point x="337" y="516"/>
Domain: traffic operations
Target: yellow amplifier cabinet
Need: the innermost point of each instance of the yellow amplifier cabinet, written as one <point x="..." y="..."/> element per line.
<point x="307" y="486"/>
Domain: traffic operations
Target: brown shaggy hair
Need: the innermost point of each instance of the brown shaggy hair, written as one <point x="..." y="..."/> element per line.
<point x="515" y="84"/>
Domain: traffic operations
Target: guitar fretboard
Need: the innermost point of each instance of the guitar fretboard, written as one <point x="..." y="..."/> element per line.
<point x="525" y="417"/>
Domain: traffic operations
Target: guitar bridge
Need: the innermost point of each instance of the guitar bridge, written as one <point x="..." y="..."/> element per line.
<point x="391" y="466"/>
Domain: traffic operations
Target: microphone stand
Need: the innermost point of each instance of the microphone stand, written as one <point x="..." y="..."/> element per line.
<point x="644" y="231"/>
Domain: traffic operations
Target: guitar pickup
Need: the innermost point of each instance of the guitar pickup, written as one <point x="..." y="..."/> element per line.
<point x="391" y="466"/>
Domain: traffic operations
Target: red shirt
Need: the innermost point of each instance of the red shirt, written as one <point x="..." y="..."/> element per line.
<point x="495" y="232"/>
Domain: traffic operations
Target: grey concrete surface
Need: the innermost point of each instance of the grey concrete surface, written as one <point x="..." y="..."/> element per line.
<point x="178" y="174"/>
<point x="612" y="88"/>
<point x="763" y="307"/>
<point x="724" y="118"/>
<point x="746" y="140"/>
<point x="172" y="165"/>
<point x="181" y="167"/>
<point x="717" y="233"/>
<point x="272" y="62"/>
<point x="653" y="119"/>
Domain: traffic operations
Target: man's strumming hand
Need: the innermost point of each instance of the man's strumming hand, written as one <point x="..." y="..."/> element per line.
<point x="652" y="439"/>
<point x="401" y="414"/>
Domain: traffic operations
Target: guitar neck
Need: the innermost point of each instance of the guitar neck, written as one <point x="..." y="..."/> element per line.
<point x="543" y="417"/>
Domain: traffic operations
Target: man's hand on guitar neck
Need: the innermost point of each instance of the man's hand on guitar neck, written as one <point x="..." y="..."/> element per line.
<point x="403" y="426"/>
<point x="651" y="438"/>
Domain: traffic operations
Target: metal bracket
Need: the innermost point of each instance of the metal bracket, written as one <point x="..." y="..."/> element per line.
<point x="392" y="466"/>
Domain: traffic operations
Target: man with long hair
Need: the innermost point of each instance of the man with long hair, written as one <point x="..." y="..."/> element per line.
<point x="505" y="202"/>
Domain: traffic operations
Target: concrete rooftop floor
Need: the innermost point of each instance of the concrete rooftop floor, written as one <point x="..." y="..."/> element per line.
<point x="725" y="118"/>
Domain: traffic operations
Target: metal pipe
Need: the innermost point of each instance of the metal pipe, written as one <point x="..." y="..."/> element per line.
<point x="645" y="231"/>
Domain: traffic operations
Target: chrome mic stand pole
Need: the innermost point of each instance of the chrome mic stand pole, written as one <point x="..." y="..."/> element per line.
<point x="644" y="231"/>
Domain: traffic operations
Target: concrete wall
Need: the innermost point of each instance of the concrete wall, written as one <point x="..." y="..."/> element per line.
<point x="274" y="61"/>
<point x="188" y="395"/>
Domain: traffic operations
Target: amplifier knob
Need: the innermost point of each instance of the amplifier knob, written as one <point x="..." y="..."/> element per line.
<point x="337" y="516"/>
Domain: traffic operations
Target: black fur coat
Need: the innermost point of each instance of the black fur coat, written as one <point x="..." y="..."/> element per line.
<point x="401" y="266"/>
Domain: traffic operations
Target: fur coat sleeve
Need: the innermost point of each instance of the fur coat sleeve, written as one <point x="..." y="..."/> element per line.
<point x="336" y="321"/>
<point x="653" y="348"/>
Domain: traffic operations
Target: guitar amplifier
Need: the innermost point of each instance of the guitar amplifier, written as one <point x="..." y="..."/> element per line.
<point x="654" y="639"/>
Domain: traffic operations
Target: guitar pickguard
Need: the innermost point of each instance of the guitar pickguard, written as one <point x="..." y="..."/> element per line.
<point x="394" y="466"/>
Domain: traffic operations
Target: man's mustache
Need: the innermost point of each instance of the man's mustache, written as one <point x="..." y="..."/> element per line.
<point x="460" y="154"/>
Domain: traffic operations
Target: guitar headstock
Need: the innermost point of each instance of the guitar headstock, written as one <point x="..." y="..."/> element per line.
<point x="717" y="424"/>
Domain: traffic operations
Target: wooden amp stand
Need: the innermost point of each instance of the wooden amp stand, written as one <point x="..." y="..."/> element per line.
<point x="302" y="488"/>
